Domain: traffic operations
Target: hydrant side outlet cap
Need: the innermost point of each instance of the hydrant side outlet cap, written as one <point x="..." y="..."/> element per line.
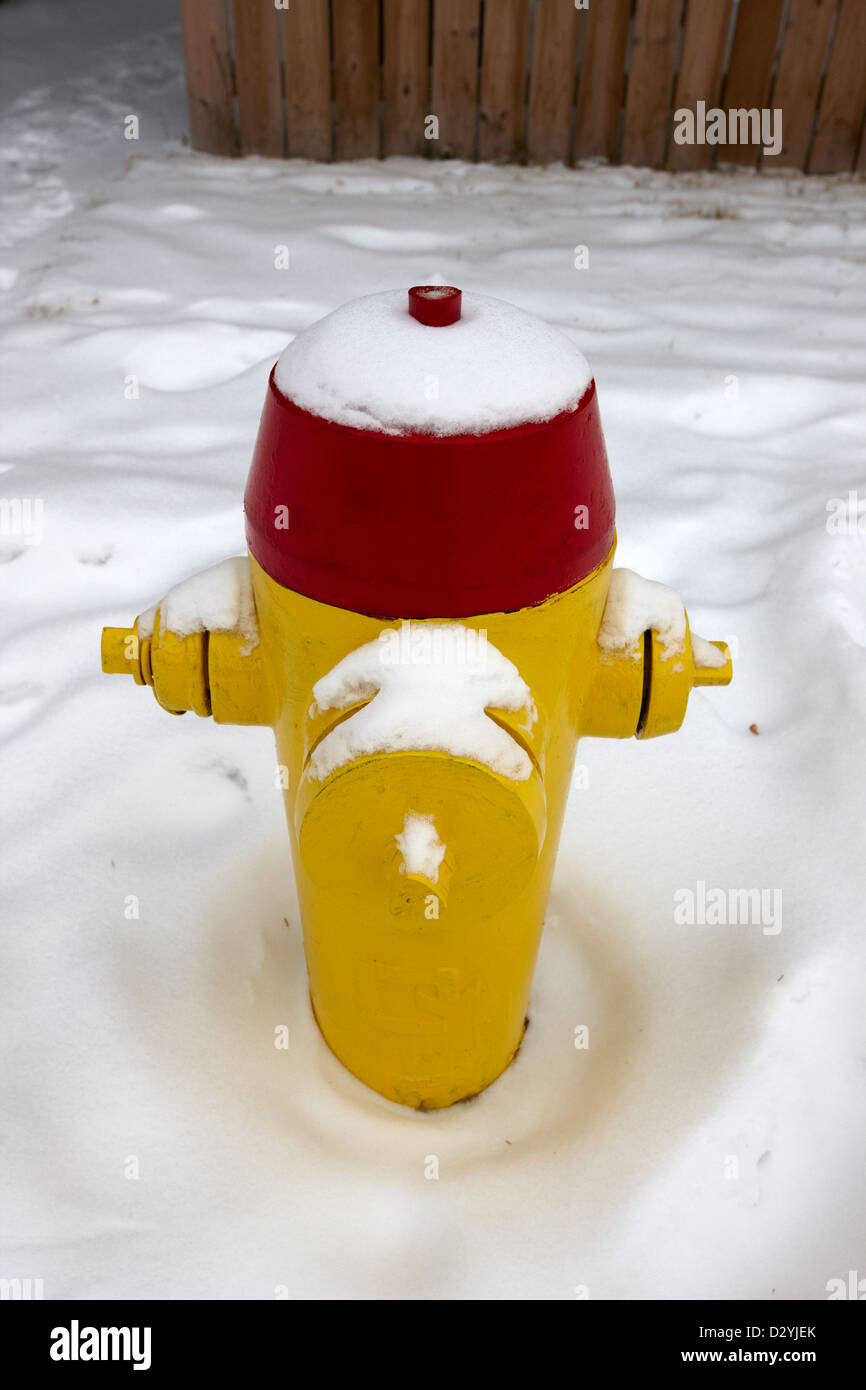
<point x="373" y="366"/>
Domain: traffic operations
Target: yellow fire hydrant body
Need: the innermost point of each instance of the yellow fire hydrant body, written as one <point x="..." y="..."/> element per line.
<point x="426" y="757"/>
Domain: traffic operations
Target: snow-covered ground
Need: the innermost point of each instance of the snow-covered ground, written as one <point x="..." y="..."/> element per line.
<point x="709" y="1141"/>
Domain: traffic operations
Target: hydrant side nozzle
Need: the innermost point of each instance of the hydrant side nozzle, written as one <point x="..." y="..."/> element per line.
<point x="643" y="691"/>
<point x="670" y="677"/>
<point x="207" y="673"/>
<point x="179" y="665"/>
<point x="614" y="700"/>
<point x="123" y="655"/>
<point x="240" y="690"/>
<point x="715" y="675"/>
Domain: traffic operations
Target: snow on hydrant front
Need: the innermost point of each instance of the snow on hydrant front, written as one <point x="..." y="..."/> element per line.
<point x="428" y="619"/>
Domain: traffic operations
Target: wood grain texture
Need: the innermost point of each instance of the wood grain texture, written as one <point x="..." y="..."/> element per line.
<point x="456" y="29"/>
<point x="843" y="101"/>
<point x="406" y="75"/>
<point x="750" y="70"/>
<point x="209" y="87"/>
<point x="649" y="94"/>
<point x="798" y="81"/>
<point x="356" y="77"/>
<point x="258" y="77"/>
<point x="601" y="84"/>
<point x="293" y="69"/>
<point x="307" y="48"/>
<point x="701" y="73"/>
<point x="503" y="80"/>
<point x="552" y="81"/>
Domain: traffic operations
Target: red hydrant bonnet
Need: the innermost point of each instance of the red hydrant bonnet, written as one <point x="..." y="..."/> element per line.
<point x="431" y="458"/>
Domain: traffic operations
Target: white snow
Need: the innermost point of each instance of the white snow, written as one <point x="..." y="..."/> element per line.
<point x="420" y="846"/>
<point x="705" y="655"/>
<point x="220" y="599"/>
<point x="634" y="605"/>
<point x="710" y="1139"/>
<point x="372" y="365"/>
<point x="428" y="686"/>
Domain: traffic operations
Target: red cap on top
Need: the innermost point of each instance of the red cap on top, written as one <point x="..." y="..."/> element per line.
<point x="435" y="305"/>
<point x="428" y="526"/>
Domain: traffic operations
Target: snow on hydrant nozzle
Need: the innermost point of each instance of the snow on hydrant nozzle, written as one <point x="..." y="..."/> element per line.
<point x="428" y="632"/>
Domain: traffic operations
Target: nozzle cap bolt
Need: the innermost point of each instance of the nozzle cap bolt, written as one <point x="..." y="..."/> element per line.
<point x="122" y="653"/>
<point x="435" y="305"/>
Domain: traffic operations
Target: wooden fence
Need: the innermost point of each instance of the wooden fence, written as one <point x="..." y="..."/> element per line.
<point x="524" y="80"/>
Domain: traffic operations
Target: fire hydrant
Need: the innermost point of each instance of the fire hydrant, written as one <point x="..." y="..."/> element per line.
<point x="428" y="619"/>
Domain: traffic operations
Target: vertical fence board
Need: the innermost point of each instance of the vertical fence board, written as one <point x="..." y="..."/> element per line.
<point x="356" y="77"/>
<point x="406" y="77"/>
<point x="503" y="79"/>
<point x="551" y="83"/>
<point x="601" y="83"/>
<point x="649" y="94"/>
<point x="701" y="71"/>
<point x="750" y="69"/>
<point x="258" y="77"/>
<point x="785" y="54"/>
<point x="208" y="76"/>
<point x="307" y="44"/>
<point x="798" y="81"/>
<point x="456" y="25"/>
<point x="843" y="102"/>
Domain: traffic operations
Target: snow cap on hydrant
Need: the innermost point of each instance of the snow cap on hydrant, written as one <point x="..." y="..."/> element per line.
<point x="429" y="619"/>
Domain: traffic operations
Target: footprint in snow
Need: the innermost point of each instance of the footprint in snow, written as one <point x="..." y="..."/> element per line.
<point x="231" y="774"/>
